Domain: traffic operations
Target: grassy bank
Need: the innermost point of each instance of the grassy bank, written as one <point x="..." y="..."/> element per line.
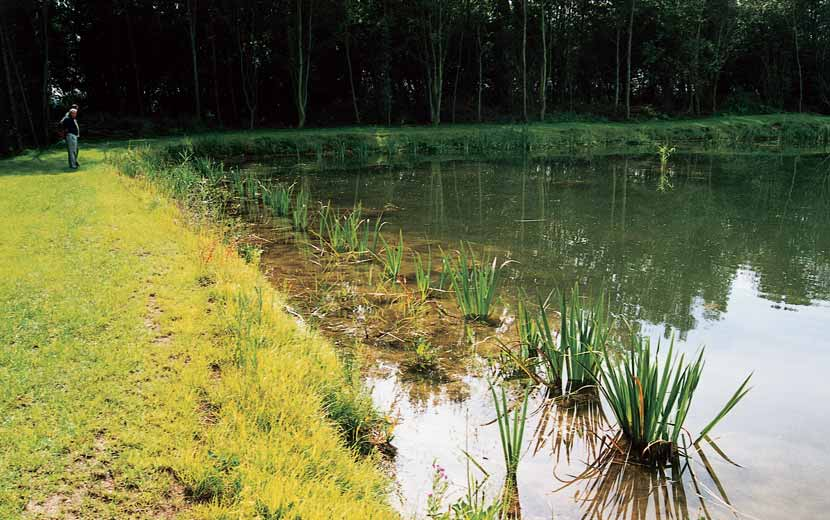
<point x="147" y="371"/>
<point x="729" y="133"/>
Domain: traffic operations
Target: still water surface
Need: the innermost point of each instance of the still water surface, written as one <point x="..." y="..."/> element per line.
<point x="727" y="252"/>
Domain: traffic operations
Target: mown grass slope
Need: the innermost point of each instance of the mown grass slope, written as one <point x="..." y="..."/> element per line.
<point x="129" y="382"/>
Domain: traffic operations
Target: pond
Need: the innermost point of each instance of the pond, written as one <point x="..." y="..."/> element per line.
<point x="730" y="252"/>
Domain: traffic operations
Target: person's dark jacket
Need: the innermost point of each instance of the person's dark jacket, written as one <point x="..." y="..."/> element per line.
<point x="70" y="126"/>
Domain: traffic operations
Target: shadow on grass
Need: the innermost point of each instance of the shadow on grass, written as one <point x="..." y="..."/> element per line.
<point x="52" y="161"/>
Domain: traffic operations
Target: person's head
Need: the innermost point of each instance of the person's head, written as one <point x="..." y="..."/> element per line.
<point x="73" y="112"/>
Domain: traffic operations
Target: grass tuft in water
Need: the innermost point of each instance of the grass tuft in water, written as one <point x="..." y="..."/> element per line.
<point x="571" y="358"/>
<point x="650" y="398"/>
<point x="393" y="258"/>
<point x="423" y="272"/>
<point x="299" y="210"/>
<point x="511" y="429"/>
<point x="349" y="233"/>
<point x="277" y="198"/>
<point x="475" y="284"/>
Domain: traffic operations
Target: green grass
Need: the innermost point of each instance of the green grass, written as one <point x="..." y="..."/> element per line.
<point x="148" y="371"/>
<point x="277" y="198"/>
<point x="650" y="398"/>
<point x="511" y="422"/>
<point x="474" y="284"/>
<point x="299" y="210"/>
<point x="392" y="258"/>
<point x="348" y="233"/>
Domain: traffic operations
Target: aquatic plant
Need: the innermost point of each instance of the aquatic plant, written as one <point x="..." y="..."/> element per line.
<point x="650" y="398"/>
<point x="348" y="233"/>
<point x="529" y="336"/>
<point x="277" y="198"/>
<point x="472" y="506"/>
<point x="570" y="359"/>
<point x="511" y="429"/>
<point x="393" y="258"/>
<point x="665" y="152"/>
<point x="299" y="210"/>
<point x="422" y="274"/>
<point x="475" y="285"/>
<point x="425" y="357"/>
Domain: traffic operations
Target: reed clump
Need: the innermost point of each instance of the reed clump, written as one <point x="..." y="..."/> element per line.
<point x="475" y="284"/>
<point x="511" y="422"/>
<point x="651" y="397"/>
<point x="348" y="233"/>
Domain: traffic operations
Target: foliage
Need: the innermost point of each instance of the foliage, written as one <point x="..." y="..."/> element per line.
<point x="511" y="428"/>
<point x="393" y="258"/>
<point x="651" y="397"/>
<point x="472" y="506"/>
<point x="423" y="273"/>
<point x="277" y="198"/>
<point x="299" y="210"/>
<point x="570" y="358"/>
<point x="475" y="285"/>
<point x="349" y="233"/>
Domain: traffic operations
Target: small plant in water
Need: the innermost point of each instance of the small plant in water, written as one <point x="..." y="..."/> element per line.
<point x="665" y="152"/>
<point x="511" y="430"/>
<point x="299" y="211"/>
<point x="422" y="274"/>
<point x="475" y="285"/>
<point x="426" y="357"/>
<point x="393" y="258"/>
<point x="472" y="506"/>
<point x="349" y="233"/>
<point x="277" y="198"/>
<point x="571" y="357"/>
<point x="651" y="397"/>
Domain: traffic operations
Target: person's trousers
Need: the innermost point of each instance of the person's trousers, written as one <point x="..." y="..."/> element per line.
<point x="72" y="149"/>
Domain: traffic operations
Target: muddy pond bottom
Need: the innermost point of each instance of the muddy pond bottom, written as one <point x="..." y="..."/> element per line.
<point x="727" y="252"/>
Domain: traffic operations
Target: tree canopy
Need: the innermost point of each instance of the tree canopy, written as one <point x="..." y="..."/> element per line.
<point x="140" y="65"/>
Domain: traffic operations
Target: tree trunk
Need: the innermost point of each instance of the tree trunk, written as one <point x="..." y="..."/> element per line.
<point x="249" y="79"/>
<point x="434" y="55"/>
<point x="216" y="99"/>
<point x="543" y="81"/>
<point x="457" y="73"/>
<point x="45" y="92"/>
<point x="23" y="96"/>
<point x="4" y="50"/>
<point x="628" y="66"/>
<point x="387" y="65"/>
<point x="798" y="62"/>
<point x="139" y="98"/>
<point x="524" y="59"/>
<point x="617" y="70"/>
<point x="480" y="72"/>
<point x="302" y="62"/>
<point x="351" y="78"/>
<point x="191" y="17"/>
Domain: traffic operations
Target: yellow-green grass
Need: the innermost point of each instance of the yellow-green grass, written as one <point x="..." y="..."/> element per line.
<point x="119" y="391"/>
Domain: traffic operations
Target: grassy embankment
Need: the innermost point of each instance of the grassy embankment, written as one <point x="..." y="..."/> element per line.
<point x="729" y="133"/>
<point x="146" y="371"/>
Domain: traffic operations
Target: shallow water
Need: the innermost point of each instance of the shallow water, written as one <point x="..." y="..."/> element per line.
<point x="730" y="252"/>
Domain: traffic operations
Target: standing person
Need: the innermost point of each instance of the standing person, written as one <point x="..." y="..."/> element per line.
<point x="72" y="132"/>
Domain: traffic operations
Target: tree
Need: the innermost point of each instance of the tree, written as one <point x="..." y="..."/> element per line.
<point x="301" y="39"/>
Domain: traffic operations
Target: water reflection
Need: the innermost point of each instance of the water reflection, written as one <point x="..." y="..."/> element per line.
<point x="736" y="256"/>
